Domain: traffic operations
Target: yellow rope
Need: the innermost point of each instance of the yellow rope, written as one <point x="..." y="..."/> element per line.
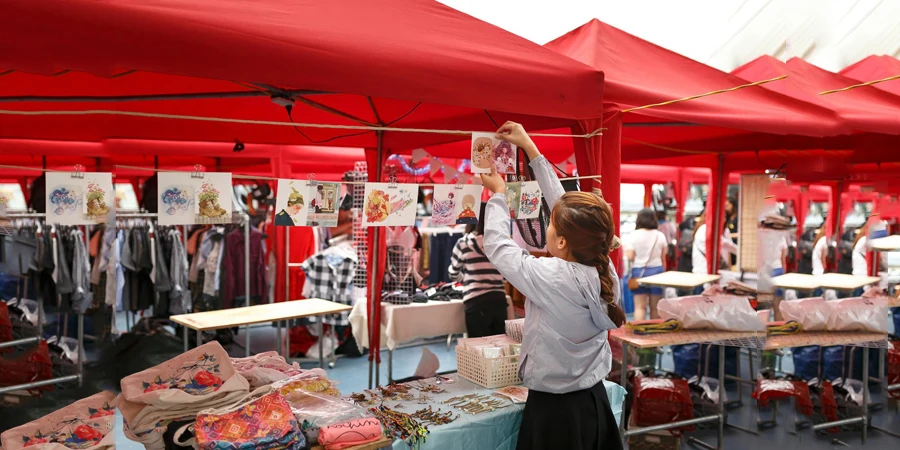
<point x="89" y="112"/>
<point x="868" y="83"/>
<point x="694" y="97"/>
<point x="671" y="149"/>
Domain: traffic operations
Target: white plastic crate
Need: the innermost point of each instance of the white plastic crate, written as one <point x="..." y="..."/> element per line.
<point x="490" y="373"/>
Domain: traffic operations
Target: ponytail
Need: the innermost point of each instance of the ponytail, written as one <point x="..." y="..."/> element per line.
<point x="614" y="311"/>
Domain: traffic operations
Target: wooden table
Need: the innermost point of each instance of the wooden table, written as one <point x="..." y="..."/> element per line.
<point x="681" y="280"/>
<point x="720" y="338"/>
<point x="845" y="283"/>
<point x="865" y="340"/>
<point x="886" y="244"/>
<point x="249" y="315"/>
<point x="797" y="281"/>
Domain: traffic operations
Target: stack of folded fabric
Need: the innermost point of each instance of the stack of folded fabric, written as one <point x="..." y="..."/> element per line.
<point x="265" y="368"/>
<point x="177" y="390"/>
<point x="735" y="287"/>
<point x="85" y="424"/>
<point x="516" y="329"/>
<point x="775" y="222"/>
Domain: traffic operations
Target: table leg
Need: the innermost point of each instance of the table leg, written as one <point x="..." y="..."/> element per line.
<point x="865" y="399"/>
<point x="390" y="366"/>
<point x="184" y="332"/>
<point x="247" y="341"/>
<point x="278" y="343"/>
<point x="199" y="338"/>
<point x="287" y="341"/>
<point x="321" y="342"/>
<point x="81" y="352"/>
<point x="721" y="404"/>
<point x="624" y="384"/>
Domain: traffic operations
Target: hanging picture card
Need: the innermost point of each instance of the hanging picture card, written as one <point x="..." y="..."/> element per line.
<point x="513" y="197"/>
<point x="530" y="200"/>
<point x="292" y="203"/>
<point x="456" y="204"/>
<point x="390" y="204"/>
<point x="187" y="198"/>
<point x="82" y="199"/>
<point x="489" y="151"/>
<point x="323" y="205"/>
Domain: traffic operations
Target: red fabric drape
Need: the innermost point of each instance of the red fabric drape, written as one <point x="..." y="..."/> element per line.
<point x="303" y="245"/>
<point x="715" y="208"/>
<point x="610" y="170"/>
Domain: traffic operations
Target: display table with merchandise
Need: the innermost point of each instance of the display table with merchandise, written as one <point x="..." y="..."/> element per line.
<point x="495" y="430"/>
<point x="679" y="280"/>
<point x="405" y="323"/>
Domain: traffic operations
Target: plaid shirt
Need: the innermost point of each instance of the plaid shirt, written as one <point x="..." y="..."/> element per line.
<point x="331" y="277"/>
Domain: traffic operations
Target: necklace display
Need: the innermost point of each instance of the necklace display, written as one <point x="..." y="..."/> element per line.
<point x="433" y="417"/>
<point x="401" y="425"/>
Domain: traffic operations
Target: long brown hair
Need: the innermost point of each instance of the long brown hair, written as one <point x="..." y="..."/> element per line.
<point x="586" y="221"/>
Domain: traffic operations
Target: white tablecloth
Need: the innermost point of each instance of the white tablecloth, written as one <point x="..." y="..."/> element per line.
<point x="404" y="323"/>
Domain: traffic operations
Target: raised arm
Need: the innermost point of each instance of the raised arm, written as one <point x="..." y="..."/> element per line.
<point x="512" y="261"/>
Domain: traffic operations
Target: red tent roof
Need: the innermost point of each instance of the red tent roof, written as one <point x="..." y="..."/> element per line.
<point x="876" y="67"/>
<point x="416" y="63"/>
<point x="864" y="109"/>
<point x="641" y="73"/>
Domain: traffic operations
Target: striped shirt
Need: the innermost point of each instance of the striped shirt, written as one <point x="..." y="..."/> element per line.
<point x="470" y="265"/>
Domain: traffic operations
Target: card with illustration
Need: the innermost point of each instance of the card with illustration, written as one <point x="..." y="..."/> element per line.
<point x="323" y="205"/>
<point x="456" y="204"/>
<point x="530" y="200"/>
<point x="291" y="203"/>
<point x="84" y="200"/>
<point x="488" y="150"/>
<point x="185" y="199"/>
<point x="513" y="197"/>
<point x="389" y="205"/>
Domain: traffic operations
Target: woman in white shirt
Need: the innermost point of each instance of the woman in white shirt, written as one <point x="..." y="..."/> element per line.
<point x="698" y="253"/>
<point x="646" y="250"/>
<point x="820" y="252"/>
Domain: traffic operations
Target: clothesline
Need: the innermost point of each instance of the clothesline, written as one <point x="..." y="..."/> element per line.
<point x="91" y="112"/>
<point x="252" y="177"/>
<point x="868" y="83"/>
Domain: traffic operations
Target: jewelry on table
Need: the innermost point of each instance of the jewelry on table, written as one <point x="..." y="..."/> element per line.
<point x="401" y="425"/>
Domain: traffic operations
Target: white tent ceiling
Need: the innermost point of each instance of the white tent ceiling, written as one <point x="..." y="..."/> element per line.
<point x="724" y="34"/>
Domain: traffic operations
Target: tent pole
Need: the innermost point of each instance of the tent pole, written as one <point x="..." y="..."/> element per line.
<point x="717" y="221"/>
<point x="375" y="327"/>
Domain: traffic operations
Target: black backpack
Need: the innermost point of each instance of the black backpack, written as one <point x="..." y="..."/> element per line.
<point x="685" y="251"/>
<point x="845" y="253"/>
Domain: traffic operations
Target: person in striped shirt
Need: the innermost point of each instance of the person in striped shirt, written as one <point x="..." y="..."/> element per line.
<point x="484" y="295"/>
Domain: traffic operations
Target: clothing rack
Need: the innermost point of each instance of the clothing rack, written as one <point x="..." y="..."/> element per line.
<point x="79" y="374"/>
<point x="129" y="320"/>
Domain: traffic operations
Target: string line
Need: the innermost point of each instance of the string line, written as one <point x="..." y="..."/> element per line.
<point x="868" y="83"/>
<point x="597" y="132"/>
<point x="694" y="97"/>
<point x="252" y="177"/>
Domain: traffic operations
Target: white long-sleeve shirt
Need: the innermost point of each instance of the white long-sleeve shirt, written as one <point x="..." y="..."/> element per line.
<point x="698" y="252"/>
<point x="566" y="346"/>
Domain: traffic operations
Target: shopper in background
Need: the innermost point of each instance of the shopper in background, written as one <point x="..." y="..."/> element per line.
<point x="646" y="250"/>
<point x="820" y="252"/>
<point x="572" y="303"/>
<point x="731" y="224"/>
<point x="698" y="253"/>
<point x="484" y="295"/>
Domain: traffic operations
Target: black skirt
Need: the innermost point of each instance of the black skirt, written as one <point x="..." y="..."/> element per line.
<point x="580" y="420"/>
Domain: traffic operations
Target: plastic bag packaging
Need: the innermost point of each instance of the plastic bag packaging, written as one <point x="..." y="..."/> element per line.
<point x="854" y="390"/>
<point x="812" y="313"/>
<point x="710" y="388"/>
<point x="265" y="368"/>
<point x="858" y="314"/>
<point x="671" y="292"/>
<point x="767" y="390"/>
<point x="317" y="403"/>
<point x="727" y="313"/>
<point x="662" y="400"/>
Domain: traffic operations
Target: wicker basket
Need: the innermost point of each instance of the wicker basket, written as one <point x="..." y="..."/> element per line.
<point x="490" y="373"/>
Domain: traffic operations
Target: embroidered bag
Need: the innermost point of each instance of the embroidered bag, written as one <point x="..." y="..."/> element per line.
<point x="84" y="425"/>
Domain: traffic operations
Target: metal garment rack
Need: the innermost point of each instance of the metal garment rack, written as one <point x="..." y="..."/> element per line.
<point x="79" y="374"/>
<point x="129" y="320"/>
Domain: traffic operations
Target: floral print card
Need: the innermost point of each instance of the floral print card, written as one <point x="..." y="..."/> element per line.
<point x="530" y="201"/>
<point x="86" y="200"/>
<point x="292" y="203"/>
<point x="323" y="205"/>
<point x="456" y="204"/>
<point x="186" y="200"/>
<point x="513" y="197"/>
<point x="388" y="205"/>
<point x="489" y="151"/>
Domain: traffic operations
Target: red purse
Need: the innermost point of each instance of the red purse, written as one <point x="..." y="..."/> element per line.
<point x="660" y="401"/>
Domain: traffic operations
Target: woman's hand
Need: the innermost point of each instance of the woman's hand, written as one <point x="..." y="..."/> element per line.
<point x="493" y="181"/>
<point x="514" y="133"/>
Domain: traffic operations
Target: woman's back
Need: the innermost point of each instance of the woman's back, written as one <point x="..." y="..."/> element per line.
<point x="649" y="247"/>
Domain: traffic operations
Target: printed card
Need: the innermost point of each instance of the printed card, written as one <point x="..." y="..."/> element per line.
<point x="292" y="203"/>
<point x="530" y="201"/>
<point x="390" y="205"/>
<point x="456" y="204"/>
<point x="488" y="150"/>
<point x="185" y="199"/>
<point x="323" y="205"/>
<point x="86" y="200"/>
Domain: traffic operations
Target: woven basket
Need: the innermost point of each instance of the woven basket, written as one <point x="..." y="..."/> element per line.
<point x="490" y="373"/>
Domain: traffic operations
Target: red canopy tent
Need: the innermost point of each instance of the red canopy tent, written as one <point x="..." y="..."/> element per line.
<point x="393" y="63"/>
<point x="876" y="67"/>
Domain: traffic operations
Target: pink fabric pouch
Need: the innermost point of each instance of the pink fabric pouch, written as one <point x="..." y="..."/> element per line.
<point x="84" y="425"/>
<point x="349" y="434"/>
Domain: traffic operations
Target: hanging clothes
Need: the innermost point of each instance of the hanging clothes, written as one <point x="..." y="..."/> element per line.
<point x="82" y="297"/>
<point x="179" y="294"/>
<point x="233" y="265"/>
<point x="331" y="274"/>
